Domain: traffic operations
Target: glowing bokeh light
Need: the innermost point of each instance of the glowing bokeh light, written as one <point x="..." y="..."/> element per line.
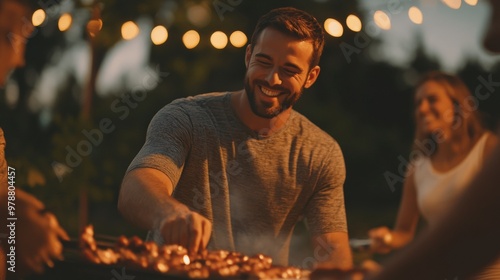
<point x="454" y="4"/>
<point x="94" y="26"/>
<point x="333" y="27"/>
<point x="382" y="20"/>
<point x="159" y="35"/>
<point x="199" y="15"/>
<point x="129" y="30"/>
<point x="415" y="15"/>
<point x="64" y="22"/>
<point x="38" y="17"/>
<point x="471" y="2"/>
<point x="191" y="39"/>
<point x="219" y="40"/>
<point x="354" y="23"/>
<point x="238" y="39"/>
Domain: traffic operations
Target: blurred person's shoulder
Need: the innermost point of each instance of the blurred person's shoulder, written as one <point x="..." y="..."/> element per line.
<point x="2" y="138"/>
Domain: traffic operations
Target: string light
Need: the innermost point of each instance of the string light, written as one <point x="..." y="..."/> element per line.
<point x="238" y="39"/>
<point x="159" y="35"/>
<point x="191" y="39"/>
<point x="382" y="20"/>
<point x="198" y="15"/>
<point x="38" y="17"/>
<point x="129" y="30"/>
<point x="354" y="23"/>
<point x="333" y="27"/>
<point x="94" y="26"/>
<point x="471" y="2"/>
<point x="64" y="22"/>
<point x="415" y="15"/>
<point x="218" y="40"/>
<point x="454" y="4"/>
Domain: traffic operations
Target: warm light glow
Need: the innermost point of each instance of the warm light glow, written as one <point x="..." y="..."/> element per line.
<point x="471" y="2"/>
<point x="191" y="39"/>
<point x="238" y="39"/>
<point x="186" y="260"/>
<point x="130" y="30"/>
<point x="38" y="17"/>
<point x="199" y="15"/>
<point x="64" y="22"/>
<point x="454" y="4"/>
<point x="333" y="27"/>
<point x="159" y="35"/>
<point x="218" y="40"/>
<point x="415" y="15"/>
<point x="382" y="20"/>
<point x="354" y="23"/>
<point x="94" y="26"/>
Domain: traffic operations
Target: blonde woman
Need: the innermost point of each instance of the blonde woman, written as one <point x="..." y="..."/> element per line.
<point x="449" y="149"/>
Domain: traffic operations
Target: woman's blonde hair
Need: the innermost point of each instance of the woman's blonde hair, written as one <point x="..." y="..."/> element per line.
<point x="466" y="117"/>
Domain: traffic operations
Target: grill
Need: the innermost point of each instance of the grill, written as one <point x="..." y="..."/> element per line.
<point x="133" y="259"/>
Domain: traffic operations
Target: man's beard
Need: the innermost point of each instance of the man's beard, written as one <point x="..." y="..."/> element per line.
<point x="265" y="110"/>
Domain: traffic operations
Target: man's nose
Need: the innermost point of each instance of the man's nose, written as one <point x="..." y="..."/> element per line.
<point x="273" y="78"/>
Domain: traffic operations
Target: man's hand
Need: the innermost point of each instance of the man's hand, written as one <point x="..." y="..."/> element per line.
<point x="38" y="235"/>
<point x="186" y="228"/>
<point x="158" y="210"/>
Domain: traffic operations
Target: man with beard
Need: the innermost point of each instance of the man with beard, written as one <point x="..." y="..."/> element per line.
<point x="237" y="170"/>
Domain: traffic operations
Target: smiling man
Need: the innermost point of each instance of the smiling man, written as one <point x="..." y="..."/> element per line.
<point x="237" y="170"/>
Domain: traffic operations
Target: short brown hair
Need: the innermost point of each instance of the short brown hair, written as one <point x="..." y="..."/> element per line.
<point x="295" y="23"/>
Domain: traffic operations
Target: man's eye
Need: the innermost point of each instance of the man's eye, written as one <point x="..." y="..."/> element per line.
<point x="290" y="72"/>
<point x="265" y="63"/>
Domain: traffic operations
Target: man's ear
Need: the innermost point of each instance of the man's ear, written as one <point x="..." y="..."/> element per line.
<point x="248" y="54"/>
<point x="312" y="76"/>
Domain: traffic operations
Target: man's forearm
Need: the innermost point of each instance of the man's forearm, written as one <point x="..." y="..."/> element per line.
<point x="332" y="250"/>
<point x="144" y="197"/>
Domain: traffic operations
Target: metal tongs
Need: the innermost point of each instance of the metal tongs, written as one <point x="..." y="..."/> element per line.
<point x="360" y="244"/>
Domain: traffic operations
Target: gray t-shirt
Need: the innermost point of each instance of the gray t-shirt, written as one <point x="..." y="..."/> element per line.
<point x="253" y="189"/>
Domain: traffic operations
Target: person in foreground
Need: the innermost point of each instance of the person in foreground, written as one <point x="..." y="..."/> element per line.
<point x="464" y="240"/>
<point x="37" y="232"/>
<point x="237" y="170"/>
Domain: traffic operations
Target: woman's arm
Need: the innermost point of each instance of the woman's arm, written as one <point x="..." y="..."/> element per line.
<point x="385" y="240"/>
<point x="491" y="143"/>
<point x="466" y="239"/>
